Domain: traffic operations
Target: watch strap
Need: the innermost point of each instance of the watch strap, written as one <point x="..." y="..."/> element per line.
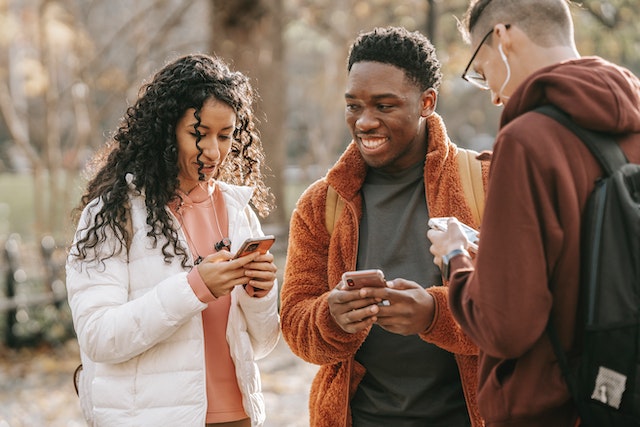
<point x="446" y="259"/>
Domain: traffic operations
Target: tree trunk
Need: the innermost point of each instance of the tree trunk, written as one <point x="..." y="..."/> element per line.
<point x="248" y="35"/>
<point x="432" y="21"/>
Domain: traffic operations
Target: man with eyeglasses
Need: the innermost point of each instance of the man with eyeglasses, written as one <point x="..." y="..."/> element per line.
<point x="527" y="266"/>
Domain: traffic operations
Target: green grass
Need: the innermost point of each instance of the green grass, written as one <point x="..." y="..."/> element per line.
<point x="18" y="211"/>
<point x="16" y="204"/>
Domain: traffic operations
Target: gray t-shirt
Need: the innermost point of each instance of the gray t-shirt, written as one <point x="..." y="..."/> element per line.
<point x="409" y="382"/>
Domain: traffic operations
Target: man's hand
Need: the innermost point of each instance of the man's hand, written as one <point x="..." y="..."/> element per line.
<point x="443" y="242"/>
<point x="351" y="309"/>
<point x="410" y="310"/>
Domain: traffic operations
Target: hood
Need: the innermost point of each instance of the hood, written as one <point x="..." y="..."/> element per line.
<point x="597" y="94"/>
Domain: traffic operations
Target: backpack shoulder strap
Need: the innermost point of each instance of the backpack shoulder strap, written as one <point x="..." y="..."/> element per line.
<point x="610" y="156"/>
<point x="470" y="169"/>
<point x="602" y="146"/>
<point x="333" y="208"/>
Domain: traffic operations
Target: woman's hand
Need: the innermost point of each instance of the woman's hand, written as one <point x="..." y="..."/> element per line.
<point x="221" y="273"/>
<point x="261" y="272"/>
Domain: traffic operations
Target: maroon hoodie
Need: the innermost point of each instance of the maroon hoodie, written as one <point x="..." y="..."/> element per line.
<point x="527" y="267"/>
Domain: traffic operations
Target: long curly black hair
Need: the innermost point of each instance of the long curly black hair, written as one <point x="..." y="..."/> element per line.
<point x="410" y="51"/>
<point x="145" y="146"/>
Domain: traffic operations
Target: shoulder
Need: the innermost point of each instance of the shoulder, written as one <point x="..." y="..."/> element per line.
<point x="309" y="214"/>
<point x="535" y="135"/>
<point x="314" y="197"/>
<point x="239" y="193"/>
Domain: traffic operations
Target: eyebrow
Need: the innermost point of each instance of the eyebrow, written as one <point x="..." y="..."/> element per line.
<point x="191" y="125"/>
<point x="376" y="97"/>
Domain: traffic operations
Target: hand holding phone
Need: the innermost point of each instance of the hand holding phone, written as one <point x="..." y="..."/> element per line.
<point x="260" y="244"/>
<point x="472" y="234"/>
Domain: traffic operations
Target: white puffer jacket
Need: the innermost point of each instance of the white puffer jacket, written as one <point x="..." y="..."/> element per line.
<point x="139" y="328"/>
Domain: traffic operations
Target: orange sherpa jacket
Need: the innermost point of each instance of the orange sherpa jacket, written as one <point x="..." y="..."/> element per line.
<point x="316" y="261"/>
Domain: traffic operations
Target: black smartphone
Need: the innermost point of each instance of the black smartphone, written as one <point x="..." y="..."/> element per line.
<point x="253" y="244"/>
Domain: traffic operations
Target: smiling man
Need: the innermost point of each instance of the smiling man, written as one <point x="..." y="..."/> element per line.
<point x="403" y="363"/>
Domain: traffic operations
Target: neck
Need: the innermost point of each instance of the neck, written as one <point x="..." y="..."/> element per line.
<point x="546" y="56"/>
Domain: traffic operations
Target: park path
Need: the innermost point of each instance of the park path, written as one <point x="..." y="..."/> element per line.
<point x="36" y="387"/>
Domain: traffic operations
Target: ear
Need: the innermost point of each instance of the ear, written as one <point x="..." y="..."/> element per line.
<point x="503" y="36"/>
<point x="429" y="99"/>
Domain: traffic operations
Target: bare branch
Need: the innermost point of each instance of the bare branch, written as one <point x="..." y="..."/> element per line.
<point x="17" y="127"/>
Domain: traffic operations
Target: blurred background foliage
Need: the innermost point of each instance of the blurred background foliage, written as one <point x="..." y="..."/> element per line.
<point x="69" y="68"/>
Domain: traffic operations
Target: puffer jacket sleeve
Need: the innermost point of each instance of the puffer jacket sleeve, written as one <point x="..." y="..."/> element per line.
<point x="263" y="325"/>
<point x="307" y="325"/>
<point x="261" y="314"/>
<point x="112" y="324"/>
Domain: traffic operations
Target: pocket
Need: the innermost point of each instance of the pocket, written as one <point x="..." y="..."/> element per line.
<point x="76" y="379"/>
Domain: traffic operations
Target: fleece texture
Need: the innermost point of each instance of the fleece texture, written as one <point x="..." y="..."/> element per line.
<point x="316" y="261"/>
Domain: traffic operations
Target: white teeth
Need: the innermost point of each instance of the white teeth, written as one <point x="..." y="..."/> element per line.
<point x="372" y="143"/>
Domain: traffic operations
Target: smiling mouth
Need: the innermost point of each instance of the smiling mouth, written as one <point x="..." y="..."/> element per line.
<point x="371" y="143"/>
<point x="206" y="168"/>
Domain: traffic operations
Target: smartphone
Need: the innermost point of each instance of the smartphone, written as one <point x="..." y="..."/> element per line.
<point x="253" y="244"/>
<point x="361" y="278"/>
<point x="471" y="233"/>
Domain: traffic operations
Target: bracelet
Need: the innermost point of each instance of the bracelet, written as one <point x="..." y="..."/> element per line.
<point x="447" y="258"/>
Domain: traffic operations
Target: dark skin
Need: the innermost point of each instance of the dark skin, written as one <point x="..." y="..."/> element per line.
<point x="386" y="113"/>
<point x="410" y="310"/>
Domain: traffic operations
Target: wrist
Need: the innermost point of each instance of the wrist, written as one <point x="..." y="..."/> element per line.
<point x="446" y="260"/>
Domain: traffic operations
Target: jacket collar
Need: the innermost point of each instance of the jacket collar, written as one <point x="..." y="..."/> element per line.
<point x="348" y="173"/>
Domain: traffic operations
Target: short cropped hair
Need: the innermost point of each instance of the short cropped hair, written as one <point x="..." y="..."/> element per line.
<point x="545" y="22"/>
<point x="409" y="51"/>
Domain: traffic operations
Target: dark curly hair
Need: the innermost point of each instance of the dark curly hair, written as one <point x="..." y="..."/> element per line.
<point x="145" y="146"/>
<point x="409" y="51"/>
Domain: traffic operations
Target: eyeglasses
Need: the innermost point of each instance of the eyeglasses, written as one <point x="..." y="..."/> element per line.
<point x="472" y="77"/>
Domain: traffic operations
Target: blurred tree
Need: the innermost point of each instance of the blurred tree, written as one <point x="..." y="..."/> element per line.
<point x="67" y="68"/>
<point x="42" y="57"/>
<point x="248" y="33"/>
<point x="318" y="37"/>
<point x="608" y="28"/>
<point x="320" y="31"/>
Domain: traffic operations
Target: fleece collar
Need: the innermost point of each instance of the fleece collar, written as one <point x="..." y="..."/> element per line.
<point x="348" y="174"/>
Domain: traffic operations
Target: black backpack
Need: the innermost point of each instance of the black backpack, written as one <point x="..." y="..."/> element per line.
<point x="604" y="380"/>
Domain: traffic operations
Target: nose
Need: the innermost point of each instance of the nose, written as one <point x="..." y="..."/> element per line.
<point x="210" y="147"/>
<point x="495" y="99"/>
<point x="367" y="121"/>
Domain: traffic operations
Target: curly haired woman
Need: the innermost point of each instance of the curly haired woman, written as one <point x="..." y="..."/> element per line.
<point x="168" y="322"/>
